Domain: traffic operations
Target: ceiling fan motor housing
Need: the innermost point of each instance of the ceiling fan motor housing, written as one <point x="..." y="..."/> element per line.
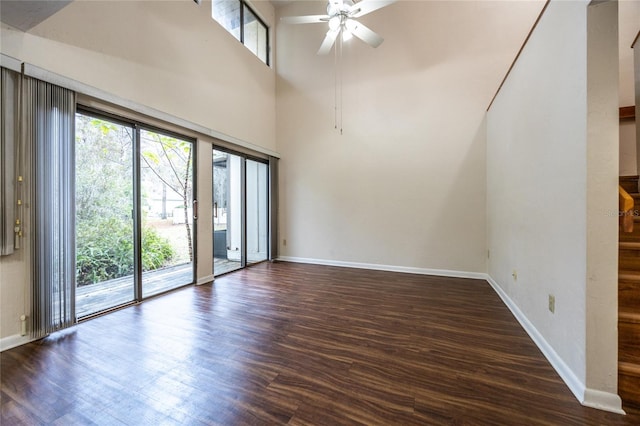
<point x="342" y="18"/>
<point x="339" y="7"/>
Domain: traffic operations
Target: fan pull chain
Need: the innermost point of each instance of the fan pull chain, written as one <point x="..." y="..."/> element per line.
<point x="341" y="79"/>
<point x="335" y="88"/>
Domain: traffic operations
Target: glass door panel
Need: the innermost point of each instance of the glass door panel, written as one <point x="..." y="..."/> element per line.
<point x="257" y="211"/>
<point x="227" y="212"/>
<point x="166" y="197"/>
<point x="105" y="263"/>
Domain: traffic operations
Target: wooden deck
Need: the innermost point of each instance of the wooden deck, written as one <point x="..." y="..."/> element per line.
<point x="292" y="344"/>
<point x="108" y="294"/>
<point x="98" y="297"/>
<point x="222" y="266"/>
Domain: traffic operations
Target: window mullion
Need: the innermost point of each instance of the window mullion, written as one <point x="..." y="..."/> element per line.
<point x="241" y="21"/>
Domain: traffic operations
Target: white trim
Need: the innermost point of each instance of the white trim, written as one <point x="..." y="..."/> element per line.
<point x="205" y="280"/>
<point x="10" y="342"/>
<point x="390" y="268"/>
<point x="94" y="92"/>
<point x="10" y="63"/>
<point x="600" y="400"/>
<point x="572" y="381"/>
<point x="587" y="397"/>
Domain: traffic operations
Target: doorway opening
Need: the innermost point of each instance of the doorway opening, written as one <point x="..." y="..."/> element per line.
<point x="134" y="225"/>
<point x="240" y="211"/>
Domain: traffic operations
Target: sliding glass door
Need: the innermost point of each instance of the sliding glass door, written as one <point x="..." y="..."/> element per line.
<point x="257" y="211"/>
<point x="134" y="218"/>
<point x="105" y="239"/>
<point x="166" y="194"/>
<point x="240" y="211"/>
<point x="227" y="212"/>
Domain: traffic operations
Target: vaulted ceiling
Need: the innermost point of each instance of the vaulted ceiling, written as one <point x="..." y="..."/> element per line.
<point x="24" y="15"/>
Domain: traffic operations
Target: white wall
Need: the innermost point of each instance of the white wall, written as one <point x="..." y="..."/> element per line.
<point x="404" y="185"/>
<point x="552" y="154"/>
<point x="166" y="55"/>
<point x="629" y="18"/>
<point x="602" y="197"/>
<point x="204" y="237"/>
<point x="628" y="148"/>
<point x="14" y="294"/>
<point x="628" y="27"/>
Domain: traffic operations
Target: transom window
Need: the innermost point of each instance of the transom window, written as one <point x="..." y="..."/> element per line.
<point x="237" y="17"/>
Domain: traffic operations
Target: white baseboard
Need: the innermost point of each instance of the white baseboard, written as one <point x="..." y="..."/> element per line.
<point x="205" y="280"/>
<point x="588" y="397"/>
<point x="390" y="268"/>
<point x="606" y="401"/>
<point x="10" y="342"/>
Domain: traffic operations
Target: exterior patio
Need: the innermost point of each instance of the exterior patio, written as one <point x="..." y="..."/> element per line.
<point x="94" y="298"/>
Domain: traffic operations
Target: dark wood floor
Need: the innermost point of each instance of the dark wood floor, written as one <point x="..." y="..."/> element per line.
<point x="297" y="344"/>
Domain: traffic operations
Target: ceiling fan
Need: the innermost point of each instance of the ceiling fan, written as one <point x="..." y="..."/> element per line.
<point x="341" y="16"/>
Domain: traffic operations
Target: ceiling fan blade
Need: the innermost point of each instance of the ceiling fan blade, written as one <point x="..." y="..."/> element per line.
<point x="328" y="41"/>
<point x="364" y="33"/>
<point x="309" y="19"/>
<point x="368" y="6"/>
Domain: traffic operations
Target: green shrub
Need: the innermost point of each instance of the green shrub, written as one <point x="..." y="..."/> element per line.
<point x="156" y="250"/>
<point x="104" y="250"/>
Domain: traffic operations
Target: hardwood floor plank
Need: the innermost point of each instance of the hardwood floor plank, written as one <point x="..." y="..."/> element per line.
<point x="284" y="343"/>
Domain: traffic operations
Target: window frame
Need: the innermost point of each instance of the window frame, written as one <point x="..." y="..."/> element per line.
<point x="243" y="4"/>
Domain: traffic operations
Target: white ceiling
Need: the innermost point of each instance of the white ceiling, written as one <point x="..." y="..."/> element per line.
<point x="26" y="14"/>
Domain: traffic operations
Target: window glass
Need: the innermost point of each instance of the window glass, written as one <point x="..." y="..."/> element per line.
<point x="241" y="21"/>
<point x="255" y="34"/>
<point x="227" y="14"/>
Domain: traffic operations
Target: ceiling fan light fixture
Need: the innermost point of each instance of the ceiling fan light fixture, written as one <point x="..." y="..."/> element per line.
<point x="342" y="18"/>
<point x="350" y="24"/>
<point x="332" y="9"/>
<point x="334" y="23"/>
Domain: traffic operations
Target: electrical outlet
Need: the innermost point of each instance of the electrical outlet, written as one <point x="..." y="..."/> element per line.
<point x="284" y="243"/>
<point x="552" y="303"/>
<point x="514" y="274"/>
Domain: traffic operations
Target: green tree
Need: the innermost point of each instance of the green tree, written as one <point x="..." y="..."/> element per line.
<point x="104" y="205"/>
<point x="170" y="161"/>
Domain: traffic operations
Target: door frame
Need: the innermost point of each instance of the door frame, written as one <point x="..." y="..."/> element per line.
<point x="243" y="197"/>
<point x="137" y="126"/>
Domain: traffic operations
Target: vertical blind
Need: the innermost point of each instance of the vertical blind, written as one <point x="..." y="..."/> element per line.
<point x="10" y="156"/>
<point x="48" y="117"/>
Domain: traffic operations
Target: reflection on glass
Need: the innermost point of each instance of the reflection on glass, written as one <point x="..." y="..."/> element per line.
<point x="104" y="222"/>
<point x="257" y="208"/>
<point x="166" y="189"/>
<point x="227" y="212"/>
<point x="255" y="34"/>
<point x="227" y="14"/>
